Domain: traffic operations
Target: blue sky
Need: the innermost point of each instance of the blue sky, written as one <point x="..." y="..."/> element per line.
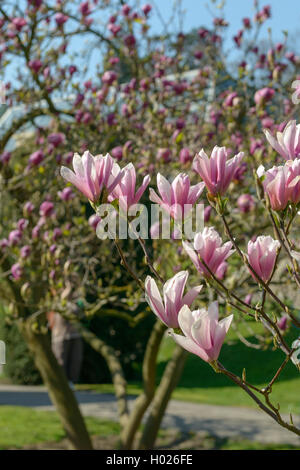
<point x="285" y="14"/>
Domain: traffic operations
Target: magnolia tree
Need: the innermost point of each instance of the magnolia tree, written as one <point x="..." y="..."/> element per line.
<point x="152" y="103"/>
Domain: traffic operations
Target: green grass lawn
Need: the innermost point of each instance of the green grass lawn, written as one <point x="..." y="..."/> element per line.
<point x="201" y="384"/>
<point x="20" y="426"/>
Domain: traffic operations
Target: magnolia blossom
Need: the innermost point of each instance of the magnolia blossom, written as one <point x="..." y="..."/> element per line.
<point x="25" y="251"/>
<point x="208" y="248"/>
<point x="282" y="322"/>
<point x="93" y="174"/>
<point x="94" y="221"/>
<point x="66" y="194"/>
<point x="16" y="271"/>
<point x="293" y="180"/>
<point x="178" y="197"/>
<point x="286" y="143"/>
<point x="217" y="172"/>
<point x="245" y="203"/>
<point x="262" y="254"/>
<point x="15" y="237"/>
<point x="126" y="192"/>
<point x="46" y="209"/>
<point x="263" y="95"/>
<point x="275" y="186"/>
<point x="173" y="289"/>
<point x="282" y="184"/>
<point x="203" y="333"/>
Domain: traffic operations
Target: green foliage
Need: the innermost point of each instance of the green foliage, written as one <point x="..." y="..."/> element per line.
<point x="19" y="367"/>
<point x="129" y="343"/>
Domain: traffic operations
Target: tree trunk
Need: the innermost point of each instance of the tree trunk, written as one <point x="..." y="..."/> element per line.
<point x="115" y="369"/>
<point x="163" y="394"/>
<point x="59" y="391"/>
<point x="149" y="373"/>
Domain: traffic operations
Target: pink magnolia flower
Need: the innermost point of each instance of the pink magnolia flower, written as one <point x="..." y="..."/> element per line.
<point x="125" y="191"/>
<point x="56" y="139"/>
<point x="287" y="143"/>
<point x="176" y="198"/>
<point x="15" y="237"/>
<point x="19" y="23"/>
<point x="173" y="290"/>
<point x="66" y="194"/>
<point x="129" y="40"/>
<point x="35" y="65"/>
<point x="146" y="9"/>
<point x="293" y="180"/>
<point x="28" y="208"/>
<point x="84" y="8"/>
<point x="25" y="251"/>
<point x="164" y="154"/>
<point x="185" y="155"/>
<point x="208" y="247"/>
<point x="126" y="9"/>
<point x="16" y="271"/>
<point x="277" y="188"/>
<point x="92" y="174"/>
<point x="231" y="99"/>
<point x="282" y="322"/>
<point x="263" y="95"/>
<point x="109" y="77"/>
<point x="217" y="172"/>
<point x="94" y="221"/>
<point x="5" y="157"/>
<point x="46" y="209"/>
<point x="36" y="158"/>
<point x="203" y="333"/>
<point x="4" y="243"/>
<point x="57" y="233"/>
<point x="117" y="152"/>
<point x="22" y="224"/>
<point x="245" y="203"/>
<point x="262" y="254"/>
<point x="60" y="18"/>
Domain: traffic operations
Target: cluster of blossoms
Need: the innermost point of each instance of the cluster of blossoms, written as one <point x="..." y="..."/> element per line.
<point x="101" y="179"/>
<point x="282" y="183"/>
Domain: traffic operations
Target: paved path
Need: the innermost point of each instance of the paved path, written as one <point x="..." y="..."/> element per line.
<point x="220" y="421"/>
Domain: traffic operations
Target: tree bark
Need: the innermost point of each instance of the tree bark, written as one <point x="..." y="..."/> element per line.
<point x="163" y="394"/>
<point x="115" y="369"/>
<point x="149" y="373"/>
<point x="59" y="391"/>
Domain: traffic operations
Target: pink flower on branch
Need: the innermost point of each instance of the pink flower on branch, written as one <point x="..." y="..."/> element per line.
<point x="203" y="333"/>
<point x="16" y="271"/>
<point x="125" y="191"/>
<point x="217" y="172"/>
<point x="286" y="143"/>
<point x="92" y="174"/>
<point x="174" y="299"/>
<point x="282" y="184"/>
<point x="208" y="247"/>
<point x="178" y="197"/>
<point x="262" y="255"/>
<point x="263" y="95"/>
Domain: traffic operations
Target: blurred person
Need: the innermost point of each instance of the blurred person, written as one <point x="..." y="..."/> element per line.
<point x="67" y="345"/>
